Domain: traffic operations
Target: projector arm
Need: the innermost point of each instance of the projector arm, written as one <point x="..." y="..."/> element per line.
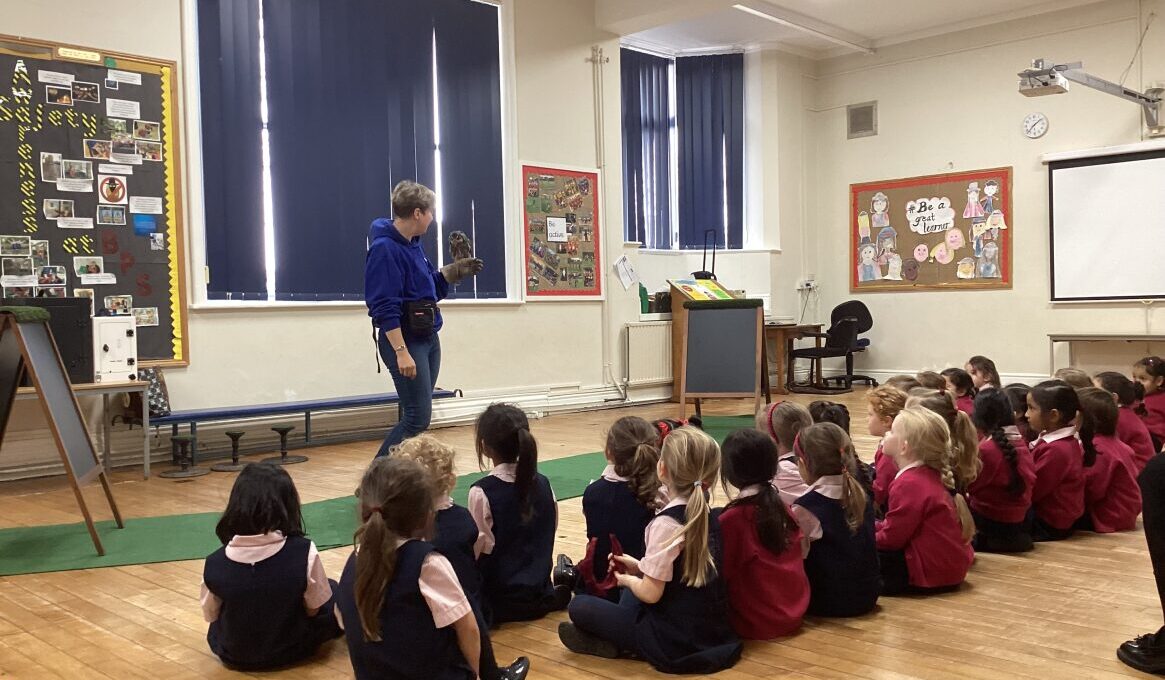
<point x="1150" y="101"/>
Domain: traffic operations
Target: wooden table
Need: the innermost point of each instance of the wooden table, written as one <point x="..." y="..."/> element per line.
<point x="106" y="389"/>
<point x="783" y="335"/>
<point x="1070" y="338"/>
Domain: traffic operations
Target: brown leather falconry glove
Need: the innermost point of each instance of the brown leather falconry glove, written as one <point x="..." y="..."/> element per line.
<point x="459" y="269"/>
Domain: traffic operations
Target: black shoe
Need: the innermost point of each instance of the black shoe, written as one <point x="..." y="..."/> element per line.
<point x="564" y="573"/>
<point x="1145" y="653"/>
<point x="515" y="671"/>
<point x="584" y="643"/>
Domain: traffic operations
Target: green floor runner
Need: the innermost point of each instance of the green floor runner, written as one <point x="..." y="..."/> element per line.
<point x="330" y="523"/>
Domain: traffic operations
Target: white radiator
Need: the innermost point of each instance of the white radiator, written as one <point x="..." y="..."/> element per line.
<point x="648" y="353"/>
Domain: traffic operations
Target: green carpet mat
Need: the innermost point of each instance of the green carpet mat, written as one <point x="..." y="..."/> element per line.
<point x="330" y="523"/>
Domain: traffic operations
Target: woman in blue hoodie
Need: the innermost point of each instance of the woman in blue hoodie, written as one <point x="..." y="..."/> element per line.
<point x="401" y="289"/>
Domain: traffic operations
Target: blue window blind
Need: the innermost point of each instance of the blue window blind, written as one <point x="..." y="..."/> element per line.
<point x="710" y="125"/>
<point x="647" y="124"/>
<point x="228" y="50"/>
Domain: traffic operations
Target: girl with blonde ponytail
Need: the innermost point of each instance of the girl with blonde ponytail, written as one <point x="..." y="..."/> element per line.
<point x="620" y="503"/>
<point x="404" y="613"/>
<point x="673" y="611"/>
<point x="924" y="541"/>
<point x="965" y="462"/>
<point x="836" y="517"/>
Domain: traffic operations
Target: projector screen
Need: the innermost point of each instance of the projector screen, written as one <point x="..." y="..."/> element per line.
<point x="1107" y="227"/>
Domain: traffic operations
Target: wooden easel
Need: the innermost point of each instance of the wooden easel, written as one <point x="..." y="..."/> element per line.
<point x="26" y="343"/>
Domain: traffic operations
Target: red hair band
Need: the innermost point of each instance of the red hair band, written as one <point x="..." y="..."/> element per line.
<point x="769" y="419"/>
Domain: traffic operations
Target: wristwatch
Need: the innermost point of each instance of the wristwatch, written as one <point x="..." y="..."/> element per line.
<point x="400" y="349"/>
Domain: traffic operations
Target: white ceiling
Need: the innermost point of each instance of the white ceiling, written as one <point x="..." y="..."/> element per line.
<point x="695" y="25"/>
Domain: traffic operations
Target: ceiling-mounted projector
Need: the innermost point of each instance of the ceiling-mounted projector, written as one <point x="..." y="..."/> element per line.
<point x="1046" y="77"/>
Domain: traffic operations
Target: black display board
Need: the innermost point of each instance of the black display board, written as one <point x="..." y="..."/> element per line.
<point x="89" y="186"/>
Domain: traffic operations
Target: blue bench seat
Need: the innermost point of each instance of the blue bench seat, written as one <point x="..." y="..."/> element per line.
<point x="194" y="417"/>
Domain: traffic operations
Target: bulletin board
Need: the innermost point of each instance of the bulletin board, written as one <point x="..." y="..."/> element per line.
<point x="561" y="227"/>
<point x="949" y="231"/>
<point x="90" y="186"/>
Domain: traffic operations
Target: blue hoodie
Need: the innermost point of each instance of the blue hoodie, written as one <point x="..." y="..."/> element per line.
<point x="396" y="271"/>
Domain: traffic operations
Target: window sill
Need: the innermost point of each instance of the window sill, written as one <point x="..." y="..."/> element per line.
<point x="252" y="305"/>
<point x="719" y="251"/>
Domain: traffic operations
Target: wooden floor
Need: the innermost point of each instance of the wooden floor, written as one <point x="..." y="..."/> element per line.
<point x="1057" y="612"/>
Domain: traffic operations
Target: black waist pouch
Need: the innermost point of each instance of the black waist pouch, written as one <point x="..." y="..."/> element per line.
<point x="420" y="316"/>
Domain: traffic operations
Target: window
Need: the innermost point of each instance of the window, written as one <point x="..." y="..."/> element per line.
<point x="312" y="110"/>
<point x="683" y="150"/>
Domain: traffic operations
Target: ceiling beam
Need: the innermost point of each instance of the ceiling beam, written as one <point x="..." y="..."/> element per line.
<point x="770" y="11"/>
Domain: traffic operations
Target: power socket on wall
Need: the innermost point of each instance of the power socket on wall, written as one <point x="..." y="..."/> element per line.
<point x="806" y="285"/>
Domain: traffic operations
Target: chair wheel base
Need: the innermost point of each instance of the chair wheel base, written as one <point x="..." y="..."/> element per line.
<point x="289" y="460"/>
<point x="228" y="467"/>
<point x="184" y="474"/>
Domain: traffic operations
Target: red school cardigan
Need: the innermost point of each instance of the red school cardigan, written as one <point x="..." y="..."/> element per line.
<point x="884" y="470"/>
<point x="988" y="495"/>
<point x="1155" y="418"/>
<point x="1058" y="496"/>
<point x="769" y="592"/>
<point x="1131" y="430"/>
<point x="1111" y="495"/>
<point x="922" y="522"/>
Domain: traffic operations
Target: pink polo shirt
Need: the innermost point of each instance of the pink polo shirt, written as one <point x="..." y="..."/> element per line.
<point x="478" y="505"/>
<point x="663" y="543"/>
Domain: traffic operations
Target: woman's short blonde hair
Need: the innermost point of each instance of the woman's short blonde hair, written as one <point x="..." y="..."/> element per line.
<point x="408" y="196"/>
<point x="435" y="456"/>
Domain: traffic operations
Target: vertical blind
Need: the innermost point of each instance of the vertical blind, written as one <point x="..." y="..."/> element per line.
<point x="647" y="126"/>
<point x="350" y="88"/>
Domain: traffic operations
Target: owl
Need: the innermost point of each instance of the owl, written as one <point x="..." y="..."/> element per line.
<point x="460" y="247"/>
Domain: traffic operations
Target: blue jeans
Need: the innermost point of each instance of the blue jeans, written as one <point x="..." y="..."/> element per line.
<point x="416" y="394"/>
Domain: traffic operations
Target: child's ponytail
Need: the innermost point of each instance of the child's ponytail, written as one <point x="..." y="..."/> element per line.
<point x="692" y="460"/>
<point x="749" y="460"/>
<point x="631" y="446"/>
<point x="1098" y="416"/>
<point x="527" y="468"/>
<point x="853" y="494"/>
<point x="395" y="501"/>
<point x="994" y="411"/>
<point x="504" y="431"/>
<point x="962" y="510"/>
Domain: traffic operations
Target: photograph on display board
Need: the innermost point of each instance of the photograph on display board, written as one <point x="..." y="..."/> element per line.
<point x="94" y="160"/>
<point x="562" y="232"/>
<point x="931" y="233"/>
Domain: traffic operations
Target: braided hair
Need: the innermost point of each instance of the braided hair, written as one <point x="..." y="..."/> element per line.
<point x="993" y="412"/>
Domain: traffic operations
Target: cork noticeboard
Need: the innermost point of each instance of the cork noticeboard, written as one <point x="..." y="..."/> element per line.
<point x="938" y="232"/>
<point x="561" y="227"/>
<point x="90" y="188"/>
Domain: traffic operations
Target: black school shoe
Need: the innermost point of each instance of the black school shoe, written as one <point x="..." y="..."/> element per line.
<point x="515" y="671"/>
<point x="565" y="574"/>
<point x="584" y="643"/>
<point x="1145" y="653"/>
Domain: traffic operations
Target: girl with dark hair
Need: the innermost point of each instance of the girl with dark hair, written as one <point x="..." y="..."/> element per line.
<point x="1149" y="373"/>
<point x="1058" y="494"/>
<point x="983" y="373"/>
<point x="516" y="515"/>
<point x="622" y="501"/>
<point x="265" y="593"/>
<point x="961" y="387"/>
<point x="837" y="516"/>
<point x="768" y="592"/>
<point x="1001" y="495"/>
<point x="1017" y="395"/>
<point x="830" y="412"/>
<point x="1112" y="500"/>
<point x="1130" y="429"/>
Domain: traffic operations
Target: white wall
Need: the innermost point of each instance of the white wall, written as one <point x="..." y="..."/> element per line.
<point x="950" y="103"/>
<point x="251" y="356"/>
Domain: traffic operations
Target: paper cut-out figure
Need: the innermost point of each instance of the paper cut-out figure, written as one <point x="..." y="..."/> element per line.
<point x="978" y="236"/>
<point x="996" y="223"/>
<point x="990" y="188"/>
<point x="942" y="254"/>
<point x="973" y="208"/>
<point x="863" y="226"/>
<point x="880" y="205"/>
<point x="954" y="238"/>
<point x="887" y="244"/>
<point x="988" y="265"/>
<point x="910" y="270"/>
<point x="893" y="268"/>
<point x="966" y="268"/>
<point x="921" y="252"/>
<point x="868" y="267"/>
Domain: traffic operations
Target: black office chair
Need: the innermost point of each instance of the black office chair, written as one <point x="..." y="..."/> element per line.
<point x="839" y="342"/>
<point x="858" y="310"/>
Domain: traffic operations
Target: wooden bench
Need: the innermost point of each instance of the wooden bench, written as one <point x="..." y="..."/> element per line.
<point x="194" y="417"/>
